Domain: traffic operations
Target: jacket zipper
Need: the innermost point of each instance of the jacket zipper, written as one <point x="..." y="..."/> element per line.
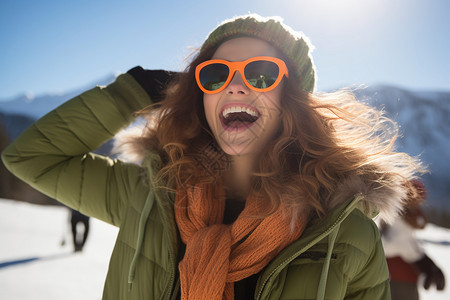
<point x="170" y="286"/>
<point x="310" y="244"/>
<point x="314" y="255"/>
<point x="176" y="289"/>
<point x="171" y="290"/>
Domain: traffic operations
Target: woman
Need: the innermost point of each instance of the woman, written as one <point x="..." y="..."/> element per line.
<point x="249" y="185"/>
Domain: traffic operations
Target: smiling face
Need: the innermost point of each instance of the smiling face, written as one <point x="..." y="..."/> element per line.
<point x="242" y="120"/>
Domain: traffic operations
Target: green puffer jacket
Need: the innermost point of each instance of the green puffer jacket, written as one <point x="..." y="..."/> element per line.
<point x="338" y="257"/>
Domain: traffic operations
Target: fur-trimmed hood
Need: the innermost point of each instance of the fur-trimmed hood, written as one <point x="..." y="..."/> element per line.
<point x="382" y="200"/>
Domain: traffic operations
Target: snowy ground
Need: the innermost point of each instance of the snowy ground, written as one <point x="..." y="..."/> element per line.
<point x="34" y="233"/>
<point x="34" y="265"/>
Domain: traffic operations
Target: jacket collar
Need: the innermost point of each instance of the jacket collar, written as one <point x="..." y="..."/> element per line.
<point x="317" y="230"/>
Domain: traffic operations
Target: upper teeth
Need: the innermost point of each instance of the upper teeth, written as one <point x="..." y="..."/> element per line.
<point x="237" y="109"/>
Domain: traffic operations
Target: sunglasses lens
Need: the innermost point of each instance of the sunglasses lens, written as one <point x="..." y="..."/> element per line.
<point x="213" y="76"/>
<point x="261" y="74"/>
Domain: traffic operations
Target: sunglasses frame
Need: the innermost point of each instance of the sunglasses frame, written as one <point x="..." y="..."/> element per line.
<point x="239" y="66"/>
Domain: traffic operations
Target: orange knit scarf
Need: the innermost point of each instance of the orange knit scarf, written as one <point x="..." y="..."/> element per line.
<point x="218" y="255"/>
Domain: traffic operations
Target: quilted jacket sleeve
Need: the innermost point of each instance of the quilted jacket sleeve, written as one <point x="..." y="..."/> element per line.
<point x="54" y="154"/>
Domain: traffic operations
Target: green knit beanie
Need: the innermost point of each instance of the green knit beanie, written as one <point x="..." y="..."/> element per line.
<point x="294" y="45"/>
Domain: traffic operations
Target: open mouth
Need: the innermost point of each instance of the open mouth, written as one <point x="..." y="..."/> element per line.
<point x="238" y="116"/>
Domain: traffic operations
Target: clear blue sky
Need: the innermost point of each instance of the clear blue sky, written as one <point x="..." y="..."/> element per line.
<point x="61" y="45"/>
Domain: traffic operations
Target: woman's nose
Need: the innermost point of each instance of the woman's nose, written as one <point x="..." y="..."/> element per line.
<point x="237" y="85"/>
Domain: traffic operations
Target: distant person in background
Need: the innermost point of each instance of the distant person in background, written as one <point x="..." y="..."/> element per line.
<point x="406" y="259"/>
<point x="79" y="239"/>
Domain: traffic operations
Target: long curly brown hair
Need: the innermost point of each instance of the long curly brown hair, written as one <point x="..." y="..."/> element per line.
<point x="324" y="138"/>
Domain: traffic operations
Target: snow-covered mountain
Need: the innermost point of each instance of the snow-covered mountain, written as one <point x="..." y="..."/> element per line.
<point x="38" y="106"/>
<point x="425" y="132"/>
<point x="423" y="118"/>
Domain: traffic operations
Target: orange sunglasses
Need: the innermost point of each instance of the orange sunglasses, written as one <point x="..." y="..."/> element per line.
<point x="261" y="73"/>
